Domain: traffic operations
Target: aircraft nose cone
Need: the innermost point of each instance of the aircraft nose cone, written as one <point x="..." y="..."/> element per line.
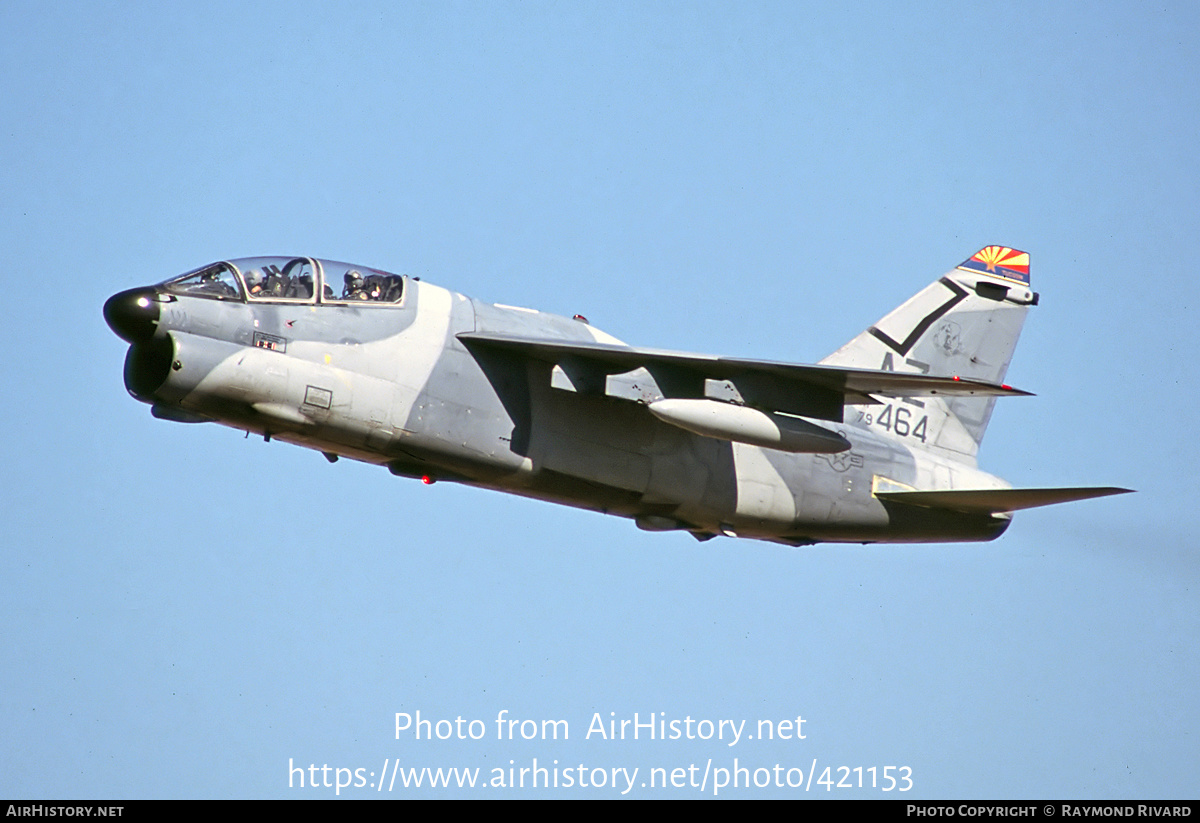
<point x="132" y="314"/>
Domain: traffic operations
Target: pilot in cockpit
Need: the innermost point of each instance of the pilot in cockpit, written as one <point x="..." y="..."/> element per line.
<point x="354" y="286"/>
<point x="254" y="282"/>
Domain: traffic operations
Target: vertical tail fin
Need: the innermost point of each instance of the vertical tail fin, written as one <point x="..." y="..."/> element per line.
<point x="967" y="324"/>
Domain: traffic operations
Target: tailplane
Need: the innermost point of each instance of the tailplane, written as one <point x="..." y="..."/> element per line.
<point x="995" y="501"/>
<point x="965" y="324"/>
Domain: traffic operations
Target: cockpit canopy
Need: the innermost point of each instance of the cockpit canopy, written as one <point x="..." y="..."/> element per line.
<point x="291" y="280"/>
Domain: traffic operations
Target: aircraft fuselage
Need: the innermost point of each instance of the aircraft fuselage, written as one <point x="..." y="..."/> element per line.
<point x="394" y="383"/>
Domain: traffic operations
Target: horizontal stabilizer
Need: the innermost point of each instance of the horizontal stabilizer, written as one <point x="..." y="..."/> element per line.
<point x="850" y="385"/>
<point x="994" y="501"/>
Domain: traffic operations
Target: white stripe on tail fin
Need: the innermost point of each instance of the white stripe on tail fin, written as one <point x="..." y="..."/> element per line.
<point x="965" y="324"/>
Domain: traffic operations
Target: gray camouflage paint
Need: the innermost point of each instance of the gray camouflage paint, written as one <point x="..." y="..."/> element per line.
<point x="395" y="385"/>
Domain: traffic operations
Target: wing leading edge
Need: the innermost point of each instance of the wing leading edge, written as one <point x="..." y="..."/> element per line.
<point x="812" y="391"/>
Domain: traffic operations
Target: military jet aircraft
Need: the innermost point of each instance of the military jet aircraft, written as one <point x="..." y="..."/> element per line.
<point x="876" y="443"/>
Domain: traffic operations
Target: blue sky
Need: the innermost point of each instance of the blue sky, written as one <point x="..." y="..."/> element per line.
<point x="762" y="180"/>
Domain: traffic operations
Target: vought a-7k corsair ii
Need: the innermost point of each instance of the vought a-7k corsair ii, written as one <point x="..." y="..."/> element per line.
<point x="876" y="443"/>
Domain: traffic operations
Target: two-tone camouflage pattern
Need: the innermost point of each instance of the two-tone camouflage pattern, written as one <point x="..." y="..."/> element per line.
<point x="360" y="363"/>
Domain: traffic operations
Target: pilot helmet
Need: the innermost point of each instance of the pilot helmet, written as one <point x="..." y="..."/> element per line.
<point x="354" y="280"/>
<point x="254" y="278"/>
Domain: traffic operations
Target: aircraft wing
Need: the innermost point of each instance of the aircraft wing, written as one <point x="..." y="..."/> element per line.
<point x="808" y="390"/>
<point x="994" y="501"/>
